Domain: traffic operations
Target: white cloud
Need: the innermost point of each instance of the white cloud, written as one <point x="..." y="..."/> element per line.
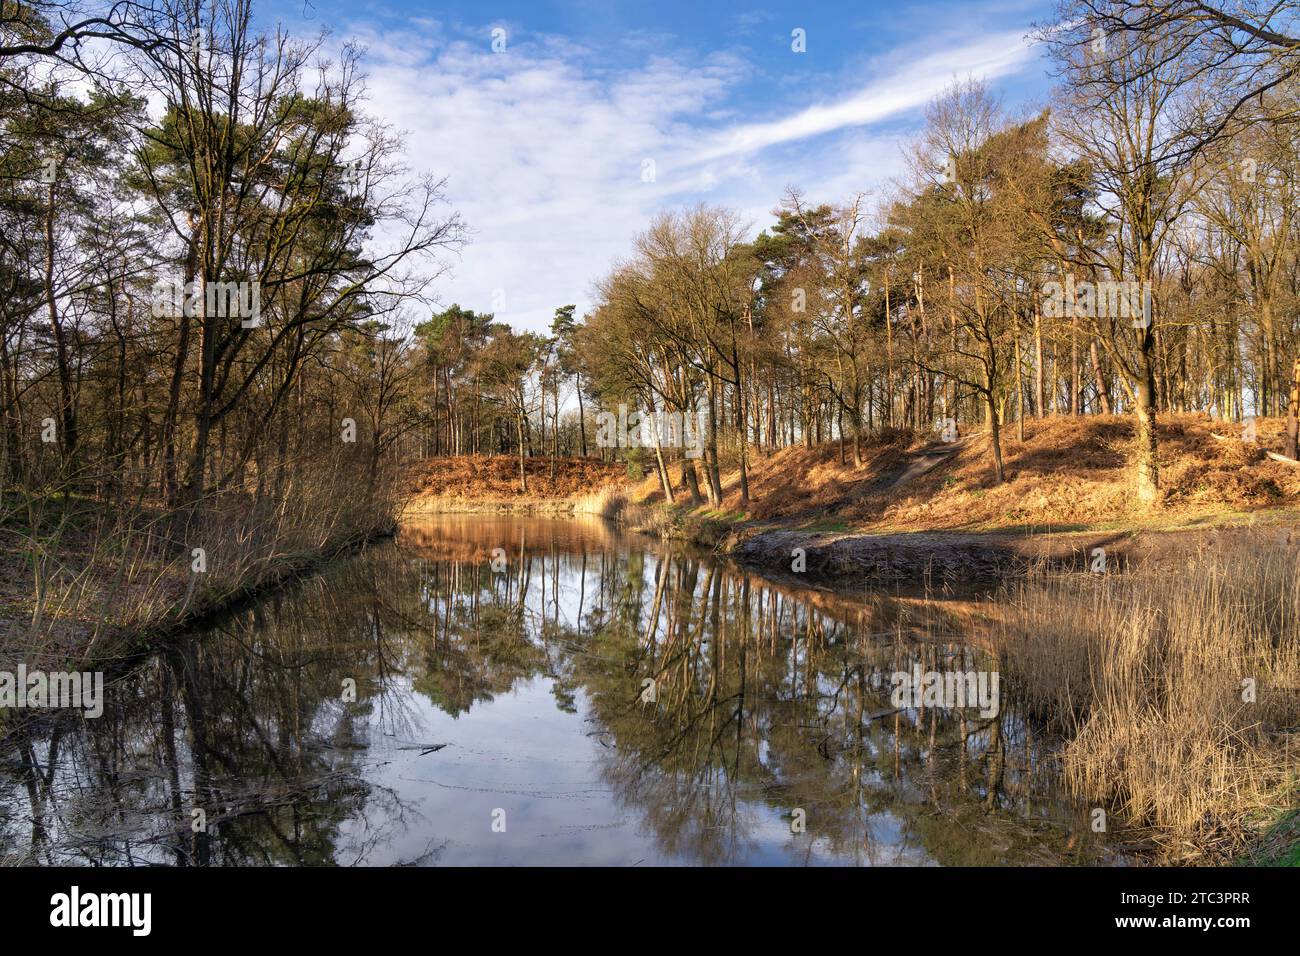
<point x="543" y="148"/>
<point x="896" y="92"/>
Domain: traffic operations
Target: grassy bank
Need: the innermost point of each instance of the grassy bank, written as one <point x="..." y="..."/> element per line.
<point x="87" y="579"/>
<point x="917" y="509"/>
<point x="1280" y="844"/>
<point x="491" y="484"/>
<point x="1067" y="474"/>
<point x="606" y="503"/>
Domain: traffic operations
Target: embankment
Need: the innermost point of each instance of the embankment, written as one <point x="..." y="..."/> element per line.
<point x="989" y="557"/>
<point x="926" y="511"/>
<point x="492" y="484"/>
<point x="86" y="580"/>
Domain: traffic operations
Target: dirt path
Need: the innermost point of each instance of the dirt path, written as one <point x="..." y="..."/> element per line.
<point x="929" y="458"/>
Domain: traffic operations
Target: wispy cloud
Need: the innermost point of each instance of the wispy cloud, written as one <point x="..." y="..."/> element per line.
<point x="892" y="93"/>
<point x="544" y="146"/>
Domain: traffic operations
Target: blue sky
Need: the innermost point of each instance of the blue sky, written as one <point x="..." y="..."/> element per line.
<point x="544" y="145"/>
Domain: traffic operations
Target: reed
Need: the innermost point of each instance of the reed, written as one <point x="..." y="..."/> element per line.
<point x="1179" y="691"/>
<point x="607" y="502"/>
<point x="101" y="575"/>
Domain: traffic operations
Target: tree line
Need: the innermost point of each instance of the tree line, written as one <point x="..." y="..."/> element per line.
<point x="1129" y="248"/>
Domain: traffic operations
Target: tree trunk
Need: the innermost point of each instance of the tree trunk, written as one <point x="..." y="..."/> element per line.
<point x="1075" y="384"/>
<point x="1103" y="393"/>
<point x="1039" y="397"/>
<point x="1148" y="469"/>
<point x="995" y="435"/>
<point x="1020" y="388"/>
<point x="1293" y="413"/>
<point x="711" y="468"/>
<point x="582" y="418"/>
<point x="691" y="481"/>
<point x="67" y="407"/>
<point x="519" y="429"/>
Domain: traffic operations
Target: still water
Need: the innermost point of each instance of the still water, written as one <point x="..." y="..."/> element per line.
<point x="515" y="691"/>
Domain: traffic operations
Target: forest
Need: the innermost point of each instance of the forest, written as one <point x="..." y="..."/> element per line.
<point x="160" y="164"/>
<point x="226" y="348"/>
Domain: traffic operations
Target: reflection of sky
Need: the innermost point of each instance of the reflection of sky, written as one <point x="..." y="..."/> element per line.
<point x="571" y="786"/>
<point x="546" y="768"/>
<point x="522" y="754"/>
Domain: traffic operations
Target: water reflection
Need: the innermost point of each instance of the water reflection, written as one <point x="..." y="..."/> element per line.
<point x="502" y="672"/>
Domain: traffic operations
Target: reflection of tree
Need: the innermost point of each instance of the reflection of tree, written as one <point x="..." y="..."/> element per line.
<point x="244" y="723"/>
<point x="762" y="700"/>
<point x="481" y="653"/>
<point x="767" y="698"/>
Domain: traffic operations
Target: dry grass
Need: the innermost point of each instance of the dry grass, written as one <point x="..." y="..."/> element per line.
<point x="82" y="577"/>
<point x="796" y="479"/>
<point x="1067" y="473"/>
<point x="1145" y="672"/>
<point x="607" y="502"/>
<point x="496" y="478"/>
